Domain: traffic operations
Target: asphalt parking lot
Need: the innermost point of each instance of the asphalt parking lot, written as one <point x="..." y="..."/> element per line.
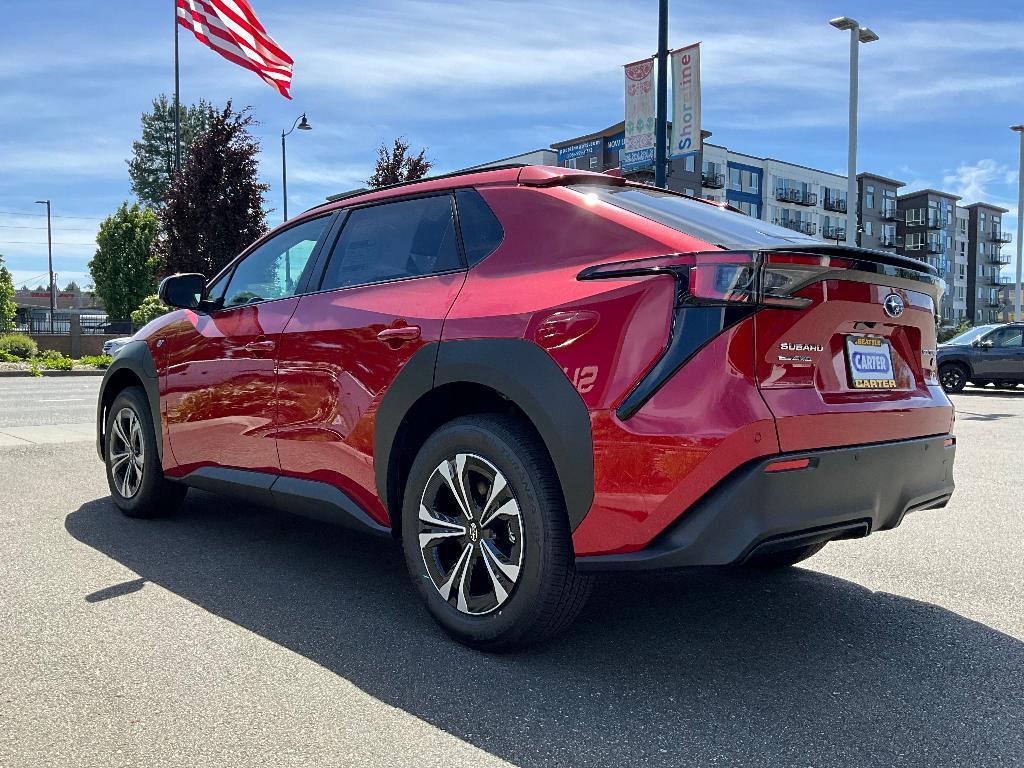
<point x="230" y="635"/>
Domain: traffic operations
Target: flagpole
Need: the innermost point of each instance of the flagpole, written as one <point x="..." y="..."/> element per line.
<point x="177" y="95"/>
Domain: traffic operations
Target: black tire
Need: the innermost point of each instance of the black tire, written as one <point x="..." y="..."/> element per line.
<point x="134" y="475"/>
<point x="547" y="593"/>
<point x="953" y="377"/>
<point x="785" y="557"/>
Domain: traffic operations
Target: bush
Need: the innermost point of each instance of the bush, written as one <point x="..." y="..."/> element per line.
<point x="51" y="361"/>
<point x="7" y="357"/>
<point x="947" y="334"/>
<point x="99" y="361"/>
<point x="150" y="309"/>
<point x="19" y="345"/>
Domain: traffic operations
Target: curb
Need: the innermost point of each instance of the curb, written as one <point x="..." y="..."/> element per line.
<point x="28" y="374"/>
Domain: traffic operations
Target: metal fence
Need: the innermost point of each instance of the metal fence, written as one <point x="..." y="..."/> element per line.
<point x="39" y="322"/>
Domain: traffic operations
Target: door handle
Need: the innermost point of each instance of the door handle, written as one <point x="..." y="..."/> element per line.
<point x="260" y="346"/>
<point x="399" y="335"/>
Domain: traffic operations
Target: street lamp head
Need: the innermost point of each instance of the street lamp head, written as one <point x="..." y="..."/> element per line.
<point x="42" y="202"/>
<point x="844" y="22"/>
<point x="867" y="36"/>
<point x="1017" y="128"/>
<point x="304" y="124"/>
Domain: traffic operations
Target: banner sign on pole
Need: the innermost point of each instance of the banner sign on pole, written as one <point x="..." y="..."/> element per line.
<point x="638" y="151"/>
<point x="685" y="139"/>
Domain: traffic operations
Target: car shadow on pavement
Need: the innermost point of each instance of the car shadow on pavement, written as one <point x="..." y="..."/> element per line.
<point x="723" y="667"/>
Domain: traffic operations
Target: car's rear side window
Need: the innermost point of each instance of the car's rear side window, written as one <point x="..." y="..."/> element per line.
<point x="481" y="230"/>
<point x="701" y="220"/>
<point x="391" y="241"/>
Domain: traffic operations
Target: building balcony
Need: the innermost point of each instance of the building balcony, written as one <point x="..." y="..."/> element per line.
<point x="888" y="242"/>
<point x="798" y="196"/>
<point x="990" y="302"/>
<point x="934" y="247"/>
<point x="829" y="232"/>
<point x="807" y="227"/>
<point x="713" y="180"/>
<point x="997" y="258"/>
<point x="837" y="204"/>
<point x="997" y="236"/>
<point x="935" y="222"/>
<point x="892" y="214"/>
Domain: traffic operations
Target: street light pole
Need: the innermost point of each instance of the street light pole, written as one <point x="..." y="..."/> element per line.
<point x="1020" y="222"/>
<point x="661" y="105"/>
<point x="303" y="125"/>
<point x="49" y="249"/>
<point x="858" y="35"/>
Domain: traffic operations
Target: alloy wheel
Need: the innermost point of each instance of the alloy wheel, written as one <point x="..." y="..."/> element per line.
<point x="952" y="378"/>
<point x="127" y="452"/>
<point x="471" y="534"/>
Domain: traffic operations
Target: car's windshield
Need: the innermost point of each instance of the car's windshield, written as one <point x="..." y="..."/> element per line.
<point x="709" y="223"/>
<point x="971" y="334"/>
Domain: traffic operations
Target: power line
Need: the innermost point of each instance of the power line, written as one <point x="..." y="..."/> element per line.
<point x="37" y="243"/>
<point x="54" y="216"/>
<point x="62" y="229"/>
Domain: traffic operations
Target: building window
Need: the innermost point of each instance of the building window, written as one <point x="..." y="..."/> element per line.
<point x="915" y="241"/>
<point x="593" y="163"/>
<point x="690" y="163"/>
<point x="868" y="228"/>
<point x="689" y="192"/>
<point x="869" y="196"/>
<point x="734" y="180"/>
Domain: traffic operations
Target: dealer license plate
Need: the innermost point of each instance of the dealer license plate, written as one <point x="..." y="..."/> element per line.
<point x="869" y="361"/>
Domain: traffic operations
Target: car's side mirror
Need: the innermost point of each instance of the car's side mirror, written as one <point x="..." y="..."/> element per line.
<point x="184" y="291"/>
<point x="986" y="343"/>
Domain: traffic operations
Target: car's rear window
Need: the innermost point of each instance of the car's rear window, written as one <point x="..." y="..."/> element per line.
<point x="692" y="217"/>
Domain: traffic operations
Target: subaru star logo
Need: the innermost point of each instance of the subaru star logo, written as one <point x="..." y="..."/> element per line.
<point x="893" y="305"/>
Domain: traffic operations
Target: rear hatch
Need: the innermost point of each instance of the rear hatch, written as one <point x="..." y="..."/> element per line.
<point x="854" y="363"/>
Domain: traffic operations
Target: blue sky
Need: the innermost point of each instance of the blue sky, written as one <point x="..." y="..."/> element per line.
<point x="476" y="81"/>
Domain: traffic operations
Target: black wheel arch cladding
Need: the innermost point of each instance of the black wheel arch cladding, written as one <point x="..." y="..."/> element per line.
<point x="136" y="359"/>
<point x="517" y="370"/>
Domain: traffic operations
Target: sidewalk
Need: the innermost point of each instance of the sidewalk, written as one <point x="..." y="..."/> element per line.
<point x="47" y="433"/>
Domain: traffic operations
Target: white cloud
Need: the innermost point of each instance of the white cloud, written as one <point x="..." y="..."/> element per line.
<point x="973" y="182"/>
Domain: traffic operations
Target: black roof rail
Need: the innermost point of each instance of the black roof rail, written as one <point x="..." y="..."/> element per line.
<point x="465" y="172"/>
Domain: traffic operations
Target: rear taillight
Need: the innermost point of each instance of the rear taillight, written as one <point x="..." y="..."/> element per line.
<point x="731" y="277"/>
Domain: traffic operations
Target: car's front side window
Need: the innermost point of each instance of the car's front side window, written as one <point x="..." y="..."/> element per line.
<point x="1005" y="337"/>
<point x="276" y="268"/>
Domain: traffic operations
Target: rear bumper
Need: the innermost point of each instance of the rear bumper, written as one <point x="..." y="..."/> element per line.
<point x="842" y="493"/>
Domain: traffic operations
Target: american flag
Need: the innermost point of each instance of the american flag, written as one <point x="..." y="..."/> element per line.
<point x="230" y="27"/>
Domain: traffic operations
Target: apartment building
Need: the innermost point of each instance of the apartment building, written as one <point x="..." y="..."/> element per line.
<point x="985" y="260"/>
<point x="877" y="211"/>
<point x="926" y="226"/>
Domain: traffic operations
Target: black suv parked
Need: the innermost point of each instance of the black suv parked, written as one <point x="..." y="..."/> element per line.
<point x="988" y="354"/>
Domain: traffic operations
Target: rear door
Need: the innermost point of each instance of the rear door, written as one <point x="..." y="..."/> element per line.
<point x="856" y="364"/>
<point x="220" y="367"/>
<point x="999" y="354"/>
<point x="391" y="276"/>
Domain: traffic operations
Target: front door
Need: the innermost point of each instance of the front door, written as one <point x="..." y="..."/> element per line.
<point x="388" y="284"/>
<point x="1000" y="354"/>
<point x="219" y="389"/>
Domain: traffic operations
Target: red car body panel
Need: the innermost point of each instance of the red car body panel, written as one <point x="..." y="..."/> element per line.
<point x="308" y="409"/>
<point x="334" y="370"/>
<point x="217" y="386"/>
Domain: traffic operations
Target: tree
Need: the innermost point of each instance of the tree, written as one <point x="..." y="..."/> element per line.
<point x="72" y="287"/>
<point x="150" y="309"/>
<point x="151" y="167"/>
<point x="215" y="205"/>
<point x="123" y="269"/>
<point x="396" y="165"/>
<point x="7" y="306"/>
